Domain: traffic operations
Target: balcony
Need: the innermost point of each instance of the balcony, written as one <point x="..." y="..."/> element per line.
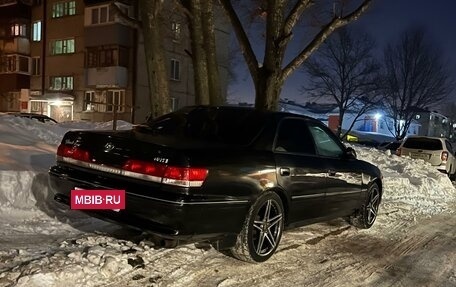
<point x="4" y="3"/>
<point x="107" y="77"/>
<point x="109" y="34"/>
<point x="16" y="45"/>
<point x="14" y="9"/>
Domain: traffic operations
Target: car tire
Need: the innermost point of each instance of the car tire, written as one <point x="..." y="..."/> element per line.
<point x="365" y="217"/>
<point x="262" y="229"/>
<point x="452" y="176"/>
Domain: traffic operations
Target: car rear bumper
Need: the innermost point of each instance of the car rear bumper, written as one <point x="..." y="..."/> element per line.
<point x="184" y="219"/>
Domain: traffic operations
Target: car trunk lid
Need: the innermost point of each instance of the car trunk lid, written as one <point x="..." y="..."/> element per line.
<point x="132" y="154"/>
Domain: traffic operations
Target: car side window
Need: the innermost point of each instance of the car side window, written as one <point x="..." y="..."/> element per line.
<point x="294" y="137"/>
<point x="325" y="143"/>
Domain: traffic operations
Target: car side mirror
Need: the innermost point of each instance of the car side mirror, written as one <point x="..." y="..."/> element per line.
<point x="350" y="153"/>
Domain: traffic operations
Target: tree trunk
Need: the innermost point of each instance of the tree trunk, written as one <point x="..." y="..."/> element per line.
<point x="267" y="88"/>
<point x="213" y="77"/>
<point x="341" y="119"/>
<point x="199" y="58"/>
<point x="155" y="58"/>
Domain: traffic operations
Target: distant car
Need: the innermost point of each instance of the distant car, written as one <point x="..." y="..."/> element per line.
<point x="437" y="151"/>
<point x="41" y="118"/>
<point x="235" y="177"/>
<point x="392" y="146"/>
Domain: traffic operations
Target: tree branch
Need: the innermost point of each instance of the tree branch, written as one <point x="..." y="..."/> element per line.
<point x="294" y="16"/>
<point x="321" y="37"/>
<point x="244" y="43"/>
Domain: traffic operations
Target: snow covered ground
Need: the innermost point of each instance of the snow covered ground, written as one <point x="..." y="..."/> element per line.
<point x="413" y="242"/>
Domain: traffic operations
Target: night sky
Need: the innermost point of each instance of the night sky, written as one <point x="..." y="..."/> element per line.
<point x="385" y="21"/>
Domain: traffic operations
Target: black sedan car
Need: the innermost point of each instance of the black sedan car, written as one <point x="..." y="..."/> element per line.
<point x="235" y="177"/>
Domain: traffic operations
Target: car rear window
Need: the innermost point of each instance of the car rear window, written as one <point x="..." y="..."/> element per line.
<point x="221" y="125"/>
<point x="423" y="143"/>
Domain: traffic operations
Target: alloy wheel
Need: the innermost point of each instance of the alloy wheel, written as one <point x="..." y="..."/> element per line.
<point x="267" y="228"/>
<point x="372" y="206"/>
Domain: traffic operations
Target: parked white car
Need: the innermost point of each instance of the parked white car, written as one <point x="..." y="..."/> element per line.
<point x="437" y="151"/>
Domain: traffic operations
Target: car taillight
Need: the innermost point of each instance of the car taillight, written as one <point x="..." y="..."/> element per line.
<point x="185" y="176"/>
<point x="180" y="176"/>
<point x="143" y="167"/>
<point x="444" y="156"/>
<point x="73" y="152"/>
<point x="398" y="152"/>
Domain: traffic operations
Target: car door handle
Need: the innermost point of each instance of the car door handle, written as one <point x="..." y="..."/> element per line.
<point x="285" y="171"/>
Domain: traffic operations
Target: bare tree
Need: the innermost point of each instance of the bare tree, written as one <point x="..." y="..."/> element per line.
<point x="415" y="77"/>
<point x="155" y="56"/>
<point x="200" y="16"/>
<point x="281" y="18"/>
<point x="345" y="70"/>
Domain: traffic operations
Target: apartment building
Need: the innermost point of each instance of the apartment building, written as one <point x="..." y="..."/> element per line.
<point x="14" y="53"/>
<point x="80" y="60"/>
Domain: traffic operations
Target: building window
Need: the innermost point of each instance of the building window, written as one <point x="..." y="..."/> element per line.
<point x="175" y="70"/>
<point x="36" y="66"/>
<point x="19" y="30"/>
<point x="104" y="101"/>
<point x="92" y="58"/>
<point x="61" y="9"/>
<point x="104" y="13"/>
<point x="61" y="83"/>
<point x="106" y="56"/>
<point x="15" y="64"/>
<point x="176" y="31"/>
<point x="89" y="101"/>
<point x="115" y="99"/>
<point x="65" y="46"/>
<point x="36" y="37"/>
<point x="174" y="104"/>
<point x="8" y="64"/>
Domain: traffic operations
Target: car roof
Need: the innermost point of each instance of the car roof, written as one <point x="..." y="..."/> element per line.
<point x="277" y="114"/>
<point x="424" y="137"/>
<point x="28" y="114"/>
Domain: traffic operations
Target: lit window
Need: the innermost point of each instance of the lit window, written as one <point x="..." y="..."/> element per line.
<point x="175" y="69"/>
<point x="176" y="30"/>
<point x="61" y="83"/>
<point x="61" y="9"/>
<point x="18" y="30"/>
<point x="65" y="46"/>
<point x="36" y="31"/>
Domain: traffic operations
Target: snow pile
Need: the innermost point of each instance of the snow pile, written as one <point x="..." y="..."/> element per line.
<point x="411" y="186"/>
<point x="53" y="133"/>
<point x="15" y="189"/>
<point x="27" y="150"/>
<point x="92" y="261"/>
